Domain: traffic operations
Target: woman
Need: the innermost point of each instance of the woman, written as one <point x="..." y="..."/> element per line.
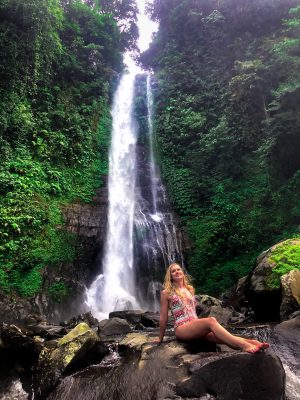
<point x="178" y="295"/>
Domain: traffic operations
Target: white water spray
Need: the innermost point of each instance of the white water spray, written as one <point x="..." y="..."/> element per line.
<point x="114" y="289"/>
<point x="158" y="242"/>
<point x="153" y="174"/>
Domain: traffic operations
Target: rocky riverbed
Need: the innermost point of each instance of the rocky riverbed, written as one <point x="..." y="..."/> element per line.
<point x="118" y="358"/>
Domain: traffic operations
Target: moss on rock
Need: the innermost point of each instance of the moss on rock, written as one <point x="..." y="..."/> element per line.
<point x="53" y="362"/>
<point x="79" y="330"/>
<point x="285" y="257"/>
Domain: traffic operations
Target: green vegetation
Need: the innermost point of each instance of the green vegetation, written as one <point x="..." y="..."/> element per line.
<point x="227" y="98"/>
<point x="287" y="258"/>
<point x="58" y="291"/>
<point x="58" y="61"/>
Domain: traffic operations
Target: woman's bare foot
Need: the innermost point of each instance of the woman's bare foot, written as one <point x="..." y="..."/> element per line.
<point x="261" y="345"/>
<point x="264" y="345"/>
<point x="249" y="347"/>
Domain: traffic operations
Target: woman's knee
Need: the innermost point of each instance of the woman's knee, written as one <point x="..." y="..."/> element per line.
<point x="208" y="321"/>
<point x="212" y="321"/>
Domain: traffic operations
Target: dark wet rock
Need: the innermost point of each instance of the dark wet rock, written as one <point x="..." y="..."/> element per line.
<point x="208" y="306"/>
<point x="222" y="314"/>
<point x="264" y="301"/>
<point x="139" y="327"/>
<point x="137" y="342"/>
<point x="176" y="370"/>
<point x="235" y="376"/>
<point x="88" y="220"/>
<point x="87" y="317"/>
<point x="18" y="353"/>
<point x="290" y="303"/>
<point x="114" y="326"/>
<point x="47" y="332"/>
<point x="294" y="314"/>
<point x="77" y="349"/>
<point x="32" y="326"/>
<point x="144" y="369"/>
<point x="133" y="342"/>
<point x="172" y="370"/>
<point x="287" y="333"/>
<point x="150" y="319"/>
<point x="11" y="388"/>
<point x="205" y="302"/>
<point x="198" y="346"/>
<point x="12" y="337"/>
<point x="14" y="308"/>
<point x="31" y="320"/>
<point x="235" y="298"/>
<point x="131" y="316"/>
<point x="266" y="298"/>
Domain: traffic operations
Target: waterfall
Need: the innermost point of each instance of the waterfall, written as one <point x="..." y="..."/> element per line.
<point x="142" y="238"/>
<point x="157" y="241"/>
<point x="114" y="288"/>
<point x="150" y="132"/>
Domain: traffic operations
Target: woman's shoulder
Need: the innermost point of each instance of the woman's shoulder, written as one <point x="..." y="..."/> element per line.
<point x="191" y="289"/>
<point x="166" y="294"/>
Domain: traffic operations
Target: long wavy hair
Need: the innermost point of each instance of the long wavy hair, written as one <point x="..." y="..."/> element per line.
<point x="168" y="283"/>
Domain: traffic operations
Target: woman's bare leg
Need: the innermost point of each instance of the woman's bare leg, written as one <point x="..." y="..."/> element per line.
<point x="210" y="337"/>
<point x="199" y="328"/>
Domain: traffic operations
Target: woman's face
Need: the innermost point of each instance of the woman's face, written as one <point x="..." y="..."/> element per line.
<point x="176" y="273"/>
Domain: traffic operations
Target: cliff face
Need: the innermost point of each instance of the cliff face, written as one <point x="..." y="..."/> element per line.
<point x="63" y="286"/>
<point x="88" y="223"/>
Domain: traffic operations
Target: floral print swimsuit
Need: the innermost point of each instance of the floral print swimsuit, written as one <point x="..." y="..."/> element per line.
<point x="182" y="309"/>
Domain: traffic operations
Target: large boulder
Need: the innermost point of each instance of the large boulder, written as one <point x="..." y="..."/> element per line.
<point x="114" y="326"/>
<point x="233" y="376"/>
<point x="79" y="348"/>
<point x="287" y="336"/>
<point x="290" y="303"/>
<point x="11" y="389"/>
<point x="150" y="319"/>
<point x="235" y="298"/>
<point x="17" y="351"/>
<point x="175" y="370"/>
<point x="133" y="342"/>
<point x="87" y="317"/>
<point x="208" y="306"/>
<point x="264" y="290"/>
<point x="131" y="316"/>
<point x="14" y="308"/>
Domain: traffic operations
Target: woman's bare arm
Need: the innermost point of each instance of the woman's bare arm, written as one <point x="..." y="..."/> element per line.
<point x="163" y="318"/>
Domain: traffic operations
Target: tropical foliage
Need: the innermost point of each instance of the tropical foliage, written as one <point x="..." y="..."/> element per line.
<point x="58" y="60"/>
<point x="227" y="127"/>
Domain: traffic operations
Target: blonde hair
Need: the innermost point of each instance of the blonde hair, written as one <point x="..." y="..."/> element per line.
<point x="168" y="284"/>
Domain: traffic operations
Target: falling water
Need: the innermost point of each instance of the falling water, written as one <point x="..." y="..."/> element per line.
<point x="157" y="241"/>
<point x="141" y="236"/>
<point x="153" y="173"/>
<point x="114" y="288"/>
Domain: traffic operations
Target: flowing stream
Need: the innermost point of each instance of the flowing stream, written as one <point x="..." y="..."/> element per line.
<point x="284" y="350"/>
